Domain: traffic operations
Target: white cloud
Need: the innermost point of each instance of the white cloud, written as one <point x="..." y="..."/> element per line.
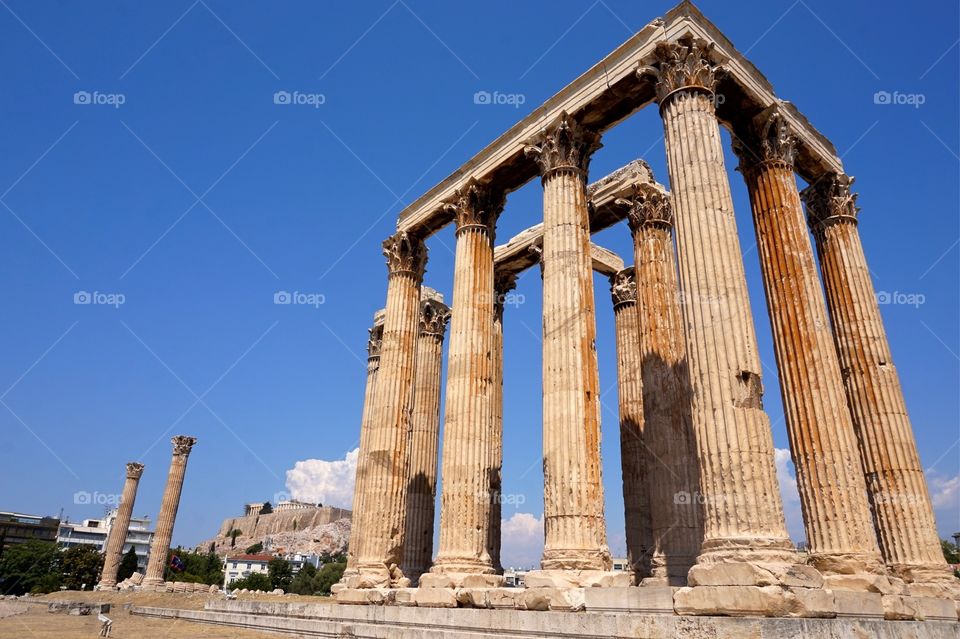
<point x="324" y="482"/>
<point x="521" y="543"/>
<point x="791" y="497"/>
<point x="945" y="493"/>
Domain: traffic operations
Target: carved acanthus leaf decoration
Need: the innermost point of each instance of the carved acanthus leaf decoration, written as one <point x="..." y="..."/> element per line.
<point x="134" y="470"/>
<point x="769" y="139"/>
<point x="182" y="444"/>
<point x="623" y="287"/>
<point x="684" y="64"/>
<point x="565" y="145"/>
<point x="648" y="206"/>
<point x="375" y="341"/>
<point x="476" y="205"/>
<point x="434" y="317"/>
<point x="405" y="253"/>
<point x="829" y="200"/>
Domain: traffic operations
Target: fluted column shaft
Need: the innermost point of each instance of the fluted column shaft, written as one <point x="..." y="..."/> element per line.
<point x="822" y="440"/>
<point x="466" y="499"/>
<point x="743" y="511"/>
<point x="573" y="489"/>
<point x="118" y="531"/>
<point x="160" y="546"/>
<point x="424" y="440"/>
<point x="503" y="284"/>
<point x="381" y="520"/>
<point x="633" y="459"/>
<point x="903" y="513"/>
<point x="360" y="485"/>
<point x="676" y="519"/>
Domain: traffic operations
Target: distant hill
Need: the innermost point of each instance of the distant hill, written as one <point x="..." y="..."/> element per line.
<point x="305" y="529"/>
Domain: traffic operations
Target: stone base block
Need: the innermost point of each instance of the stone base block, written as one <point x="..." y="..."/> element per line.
<point x="560" y="599"/>
<point x="936" y="609"/>
<point x="578" y="579"/>
<point x="853" y="603"/>
<point x="740" y="573"/>
<point x="435" y="597"/>
<point x="732" y="601"/>
<point x="810" y="603"/>
<point x="368" y="578"/>
<point x="460" y="580"/>
<point x="376" y="596"/>
<point x="505" y="598"/>
<point x="405" y="597"/>
<point x="645" y="599"/>
<point x="865" y="582"/>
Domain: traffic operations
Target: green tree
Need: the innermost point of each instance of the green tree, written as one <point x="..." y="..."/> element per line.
<point x="233" y="534"/>
<point x="198" y="568"/>
<point x="254" y="549"/>
<point x="81" y="567"/>
<point x="33" y="566"/>
<point x="950" y="552"/>
<point x="328" y="575"/>
<point x="302" y="584"/>
<point x="255" y="581"/>
<point x="128" y="565"/>
<point x="281" y="574"/>
<point x="266" y="509"/>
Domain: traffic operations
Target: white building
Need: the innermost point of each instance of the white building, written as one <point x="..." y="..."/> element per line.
<point x="240" y="566"/>
<point x="94" y="532"/>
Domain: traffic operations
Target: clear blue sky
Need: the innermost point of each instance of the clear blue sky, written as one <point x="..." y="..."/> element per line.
<point x="292" y="197"/>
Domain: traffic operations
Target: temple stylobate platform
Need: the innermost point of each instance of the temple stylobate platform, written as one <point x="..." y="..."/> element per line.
<point x="705" y="526"/>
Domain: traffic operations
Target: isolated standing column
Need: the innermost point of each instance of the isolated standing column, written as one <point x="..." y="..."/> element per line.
<point x="118" y="531"/>
<point x="182" y="444"/>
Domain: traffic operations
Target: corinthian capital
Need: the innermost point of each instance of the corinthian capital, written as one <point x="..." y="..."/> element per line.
<point x="684" y="64"/>
<point x="567" y="144"/>
<point x="648" y="206"/>
<point x="375" y="340"/>
<point x="182" y="444"/>
<point x="768" y="140"/>
<point x="434" y="316"/>
<point x="134" y="470"/>
<point x="405" y="253"/>
<point x="830" y="201"/>
<point x="623" y="287"/>
<point x="475" y="205"/>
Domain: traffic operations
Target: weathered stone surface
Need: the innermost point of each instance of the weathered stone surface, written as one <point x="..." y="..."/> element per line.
<point x="905" y="521"/>
<point x="766" y="601"/>
<point x="160" y="546"/>
<point x="435" y="598"/>
<point x="810" y="602"/>
<point x="118" y="531"/>
<point x="852" y="603"/>
<point x="506" y="597"/>
<point x="863" y="582"/>
<point x="647" y="599"/>
<point x="575" y="536"/>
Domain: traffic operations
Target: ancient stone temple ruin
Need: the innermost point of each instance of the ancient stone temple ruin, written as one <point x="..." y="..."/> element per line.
<point x="706" y="535"/>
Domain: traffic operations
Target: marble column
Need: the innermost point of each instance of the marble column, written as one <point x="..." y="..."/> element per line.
<point x="160" y="547"/>
<point x="359" y="492"/>
<point x="381" y="520"/>
<point x="466" y="497"/>
<point x="118" y="531"/>
<point x="503" y="283"/>
<point x="823" y="444"/>
<point x="575" y="531"/>
<point x="634" y="464"/>
<point x="676" y="519"/>
<point x="742" y="507"/>
<point x="424" y="439"/>
<point x="903" y="513"/>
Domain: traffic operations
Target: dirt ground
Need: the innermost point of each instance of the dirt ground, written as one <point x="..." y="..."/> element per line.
<point x="20" y="620"/>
